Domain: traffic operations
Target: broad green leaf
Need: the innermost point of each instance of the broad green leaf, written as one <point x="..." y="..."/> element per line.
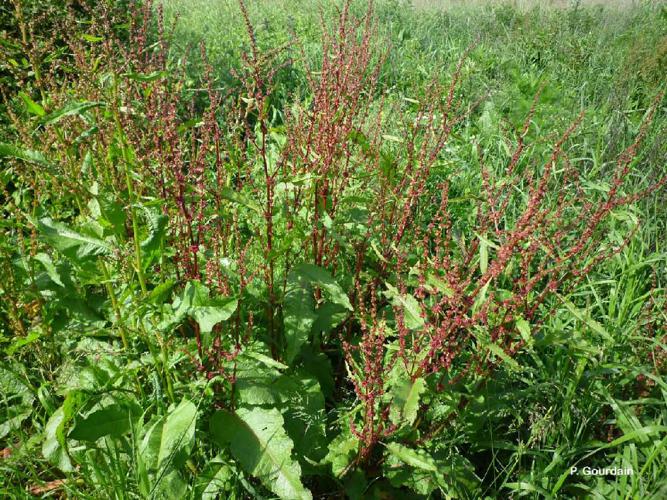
<point x="264" y="359"/>
<point x="423" y="472"/>
<point x="31" y="105"/>
<point x="498" y="351"/>
<point x="524" y="330"/>
<point x="321" y="278"/>
<point x="405" y="399"/>
<point x="161" y="292"/>
<point x="208" y="312"/>
<point x="157" y="229"/>
<point x="178" y="435"/>
<point x="483" y="255"/>
<point x="70" y="243"/>
<point x="12" y="151"/>
<point x="12" y="417"/>
<point x="329" y="316"/>
<point x="114" y="420"/>
<point x="410" y="306"/>
<point x="11" y="383"/>
<point x="210" y="315"/>
<point x="215" y="479"/>
<point x="170" y="485"/>
<point x="297" y="396"/>
<point x="299" y="315"/>
<point x="110" y="214"/>
<point x="54" y="447"/>
<point x="194" y="295"/>
<point x="97" y="376"/>
<point x="400" y="475"/>
<point x="319" y="365"/>
<point x="257" y="439"/>
<point x="75" y="108"/>
<point x="414" y="458"/>
<point x="51" y="270"/>
<point x="149" y="446"/>
<point x="269" y="387"/>
<point x="74" y="401"/>
<point x="342" y="450"/>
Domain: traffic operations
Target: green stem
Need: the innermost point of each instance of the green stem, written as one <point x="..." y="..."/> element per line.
<point x="119" y="320"/>
<point x="135" y="229"/>
<point x="130" y="193"/>
<point x="167" y="375"/>
<point x="72" y="173"/>
<point x="114" y="303"/>
<point x="156" y="358"/>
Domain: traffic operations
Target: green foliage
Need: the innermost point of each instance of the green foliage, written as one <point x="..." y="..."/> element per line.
<point x="301" y="316"/>
<point x="178" y="435"/>
<point x="342" y="451"/>
<point x="413" y="315"/>
<point x="405" y="399"/>
<point x="74" y="108"/>
<point x="11" y="151"/>
<point x="423" y="474"/>
<point x="196" y="303"/>
<point x="17" y="401"/>
<point x="74" y="245"/>
<point x="258" y="441"/>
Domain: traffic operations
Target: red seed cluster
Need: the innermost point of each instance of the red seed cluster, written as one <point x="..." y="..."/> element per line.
<point x="248" y="199"/>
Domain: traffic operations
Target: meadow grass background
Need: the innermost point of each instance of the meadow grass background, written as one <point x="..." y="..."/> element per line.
<point x="528" y="4"/>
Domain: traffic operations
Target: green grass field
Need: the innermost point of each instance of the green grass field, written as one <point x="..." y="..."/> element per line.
<point x="530" y="4"/>
<point x="304" y="249"/>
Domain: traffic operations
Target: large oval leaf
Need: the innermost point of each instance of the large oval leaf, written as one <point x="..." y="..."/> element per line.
<point x="257" y="439"/>
<point x="114" y="420"/>
<point x="74" y="245"/>
<point x="178" y="435"/>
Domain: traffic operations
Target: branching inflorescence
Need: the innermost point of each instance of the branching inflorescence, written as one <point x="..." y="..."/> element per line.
<point x="251" y="191"/>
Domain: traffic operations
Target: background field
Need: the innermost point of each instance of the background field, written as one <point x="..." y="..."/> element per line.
<point x="529" y="4"/>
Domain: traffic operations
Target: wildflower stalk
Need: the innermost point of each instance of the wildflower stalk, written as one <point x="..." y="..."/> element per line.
<point x="114" y="303"/>
<point x="130" y="191"/>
